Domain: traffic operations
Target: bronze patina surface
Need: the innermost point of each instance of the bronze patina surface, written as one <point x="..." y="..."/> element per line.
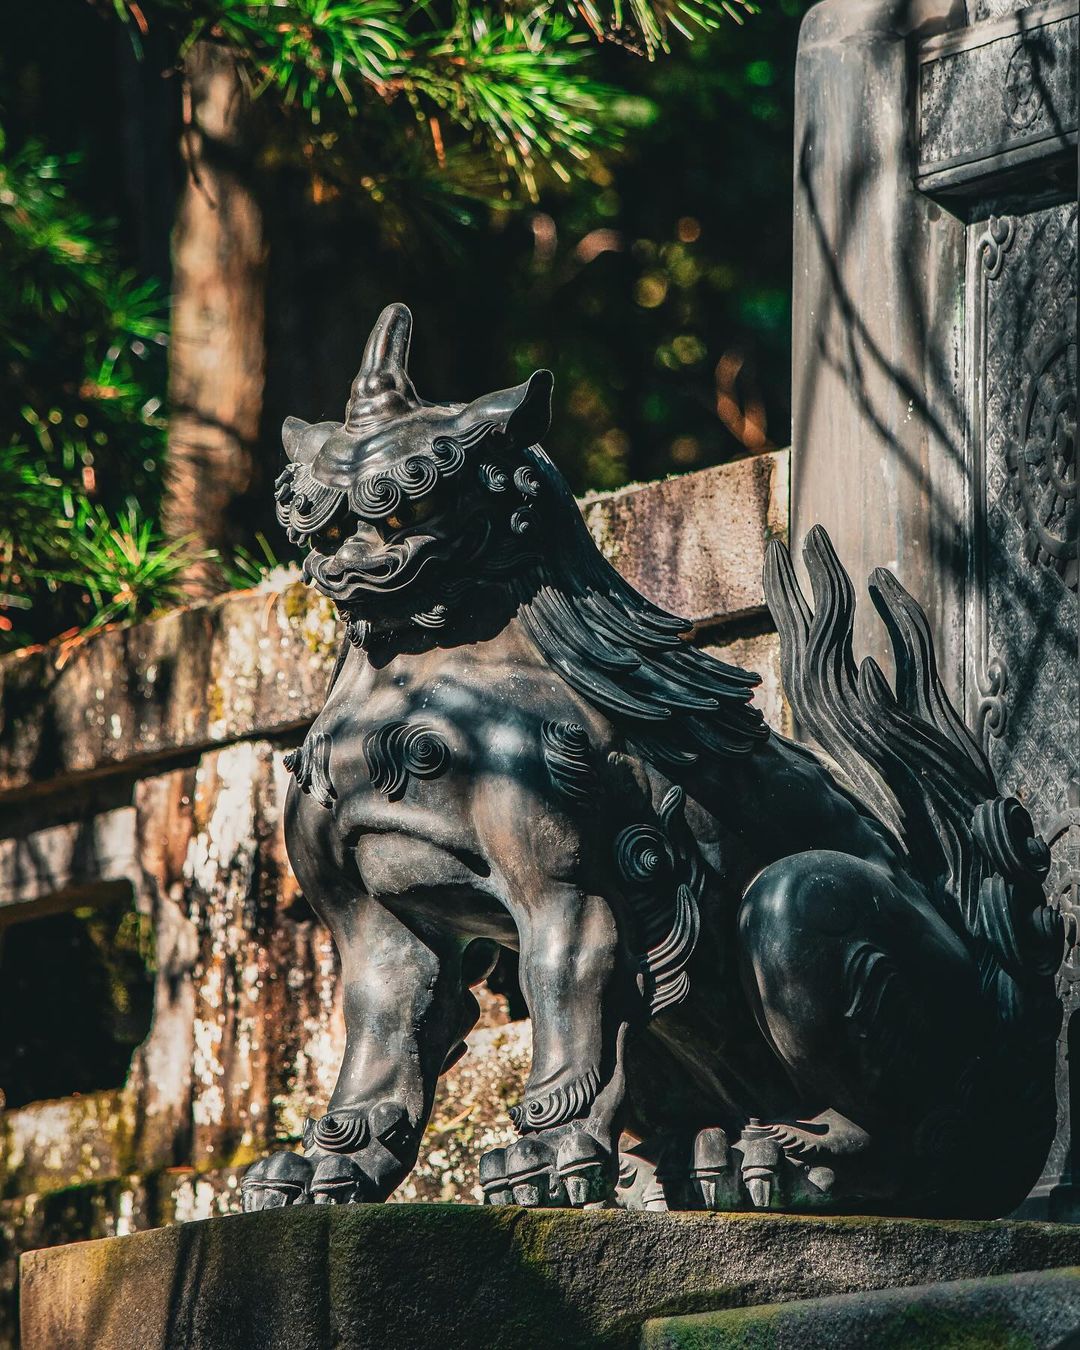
<point x="791" y="993"/>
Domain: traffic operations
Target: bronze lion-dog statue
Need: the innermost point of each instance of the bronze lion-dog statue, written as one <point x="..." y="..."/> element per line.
<point x="778" y="989"/>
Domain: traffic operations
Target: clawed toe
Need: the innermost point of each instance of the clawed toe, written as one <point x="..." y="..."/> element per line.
<point x="280" y="1180"/>
<point x="547" y="1172"/>
<point x="770" y="1166"/>
<point x="694" y="1173"/>
<point x="337" y="1180"/>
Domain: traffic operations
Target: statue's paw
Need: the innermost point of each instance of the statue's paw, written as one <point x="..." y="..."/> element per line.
<point x="349" y="1130"/>
<point x="692" y="1171"/>
<point x="359" y="1153"/>
<point x="784" y="1164"/>
<point x="279" y="1180"/>
<point x="565" y="1167"/>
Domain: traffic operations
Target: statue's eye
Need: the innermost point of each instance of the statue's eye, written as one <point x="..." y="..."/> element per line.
<point x="410" y="513"/>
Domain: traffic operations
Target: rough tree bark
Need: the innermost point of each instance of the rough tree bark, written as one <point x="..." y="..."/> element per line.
<point x="217" y="354"/>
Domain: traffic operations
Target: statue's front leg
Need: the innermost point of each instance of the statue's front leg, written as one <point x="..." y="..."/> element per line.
<point x="407" y="1008"/>
<point x="576" y="993"/>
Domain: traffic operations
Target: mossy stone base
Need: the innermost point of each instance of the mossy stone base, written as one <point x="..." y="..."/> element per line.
<point x="328" y="1278"/>
<point x="1004" y="1312"/>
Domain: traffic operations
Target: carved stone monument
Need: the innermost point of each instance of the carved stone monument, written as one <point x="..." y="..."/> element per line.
<point x="792" y="994"/>
<point x="935" y="379"/>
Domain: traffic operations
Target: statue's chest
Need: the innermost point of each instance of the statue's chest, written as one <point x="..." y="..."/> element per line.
<point x="419" y="739"/>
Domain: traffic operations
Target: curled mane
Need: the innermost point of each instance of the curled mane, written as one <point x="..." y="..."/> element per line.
<point x="628" y="657"/>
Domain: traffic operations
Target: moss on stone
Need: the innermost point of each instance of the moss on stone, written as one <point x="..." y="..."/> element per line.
<point x="215" y="702"/>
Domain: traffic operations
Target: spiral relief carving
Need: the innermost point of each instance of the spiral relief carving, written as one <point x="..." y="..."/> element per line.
<point x="310" y="764"/>
<point x="565" y="747"/>
<point x="526" y="481"/>
<point x="381" y="494"/>
<point x="558" y="1106"/>
<point x="642" y="854"/>
<point x="341" y="1134"/>
<point x="398" y="751"/>
<point x="494" y="478"/>
<point x="1006" y="835"/>
<point x="663" y="871"/>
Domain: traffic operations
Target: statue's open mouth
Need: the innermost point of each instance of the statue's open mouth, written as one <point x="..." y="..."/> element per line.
<point x="356" y="569"/>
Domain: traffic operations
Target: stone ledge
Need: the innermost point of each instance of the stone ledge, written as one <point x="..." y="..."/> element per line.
<point x="466" y="1276"/>
<point x="1029" y="1310"/>
<point x="256" y="663"/>
<point x="696" y="544"/>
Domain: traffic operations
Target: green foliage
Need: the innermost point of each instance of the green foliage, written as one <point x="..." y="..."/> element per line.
<point x="311" y="50"/>
<point x="81" y="385"/>
<point x="248" y="567"/>
<point x="519" y="82"/>
<point x="126" y="567"/>
<point x="510" y="85"/>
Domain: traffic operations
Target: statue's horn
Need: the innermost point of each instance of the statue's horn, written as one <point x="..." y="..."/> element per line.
<point x="382" y="386"/>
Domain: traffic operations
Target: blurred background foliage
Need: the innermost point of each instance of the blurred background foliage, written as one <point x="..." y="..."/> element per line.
<point x="578" y="187"/>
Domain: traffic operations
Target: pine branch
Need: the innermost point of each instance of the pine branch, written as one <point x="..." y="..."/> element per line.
<point x="311" y="50"/>
<point x="519" y="84"/>
<point x="515" y="84"/>
<point x="644" y="25"/>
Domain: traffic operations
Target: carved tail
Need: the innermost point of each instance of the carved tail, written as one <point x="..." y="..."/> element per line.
<point x="911" y="758"/>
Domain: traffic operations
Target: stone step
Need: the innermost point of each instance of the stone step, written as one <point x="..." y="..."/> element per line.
<point x="471" y="1278"/>
<point x="1037" y="1311"/>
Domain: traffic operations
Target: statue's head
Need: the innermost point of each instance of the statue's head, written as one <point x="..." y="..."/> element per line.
<point x="407" y="500"/>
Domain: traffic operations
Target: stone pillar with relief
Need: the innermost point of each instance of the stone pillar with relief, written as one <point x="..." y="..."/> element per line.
<point x="935" y="378"/>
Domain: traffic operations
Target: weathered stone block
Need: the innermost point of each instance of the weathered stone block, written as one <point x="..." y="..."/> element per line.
<point x="465" y="1276"/>
<point x="244" y="664"/>
<point x="696" y="544"/>
<point x="1038" y="1309"/>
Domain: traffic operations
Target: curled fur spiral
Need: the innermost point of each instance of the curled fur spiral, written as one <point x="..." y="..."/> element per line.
<point x="1005" y="833"/>
<point x="417" y="474"/>
<point x="642" y="854"/>
<point x="398" y="751"/>
<point x="565" y="747"/>
<point x="526" y="481"/>
<point x="435" y="617"/>
<point x="375" y="496"/>
<point x="494" y="478"/>
<point x="557" y="1107"/>
<point x="449" y="455"/>
<point x="341" y="1134"/>
<point x="310" y="764"/>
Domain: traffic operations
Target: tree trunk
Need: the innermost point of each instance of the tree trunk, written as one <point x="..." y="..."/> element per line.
<point x="217" y="353"/>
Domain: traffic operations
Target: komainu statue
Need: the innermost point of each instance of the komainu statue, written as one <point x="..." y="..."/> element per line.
<point x="779" y="990"/>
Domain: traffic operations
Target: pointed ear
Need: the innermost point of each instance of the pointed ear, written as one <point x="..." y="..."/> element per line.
<point x="303" y="440"/>
<point x="530" y="420"/>
<point x="523" y="412"/>
<point x="292" y="429"/>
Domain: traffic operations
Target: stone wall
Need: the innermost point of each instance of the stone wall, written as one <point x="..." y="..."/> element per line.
<point x="142" y="770"/>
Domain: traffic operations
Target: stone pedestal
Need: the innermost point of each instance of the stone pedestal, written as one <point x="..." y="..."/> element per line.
<point x="463" y="1277"/>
